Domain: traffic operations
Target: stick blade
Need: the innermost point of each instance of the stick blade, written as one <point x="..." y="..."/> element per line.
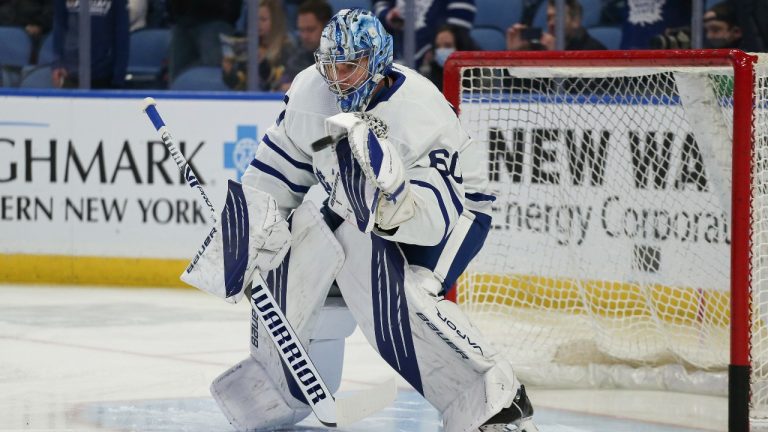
<point x="326" y="411"/>
<point x="366" y="402"/>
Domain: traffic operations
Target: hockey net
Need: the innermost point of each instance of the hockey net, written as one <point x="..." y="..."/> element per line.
<point x="609" y="260"/>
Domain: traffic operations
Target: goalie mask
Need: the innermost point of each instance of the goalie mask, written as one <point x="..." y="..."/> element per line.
<point x="355" y="53"/>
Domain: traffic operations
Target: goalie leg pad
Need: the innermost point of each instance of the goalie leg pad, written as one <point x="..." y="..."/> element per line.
<point x="250" y="400"/>
<point x="482" y="400"/>
<point x="427" y="340"/>
<point x="300" y="286"/>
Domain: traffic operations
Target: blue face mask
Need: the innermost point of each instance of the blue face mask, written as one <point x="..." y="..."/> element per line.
<point x="441" y="55"/>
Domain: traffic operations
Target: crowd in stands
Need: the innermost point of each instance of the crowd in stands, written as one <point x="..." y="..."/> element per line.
<point x="162" y="43"/>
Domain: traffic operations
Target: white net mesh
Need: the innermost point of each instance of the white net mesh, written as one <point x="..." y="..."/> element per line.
<point x="608" y="261"/>
<point x="759" y="334"/>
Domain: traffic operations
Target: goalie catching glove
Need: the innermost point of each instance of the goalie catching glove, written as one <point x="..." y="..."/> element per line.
<point x="380" y="164"/>
<point x="250" y="235"/>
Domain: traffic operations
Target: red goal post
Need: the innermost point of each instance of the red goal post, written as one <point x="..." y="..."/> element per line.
<point x="582" y="90"/>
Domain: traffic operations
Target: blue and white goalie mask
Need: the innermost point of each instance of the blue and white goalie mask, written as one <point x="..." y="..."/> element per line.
<point x="355" y="53"/>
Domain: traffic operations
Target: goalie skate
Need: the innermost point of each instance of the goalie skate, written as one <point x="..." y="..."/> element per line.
<point x="517" y="417"/>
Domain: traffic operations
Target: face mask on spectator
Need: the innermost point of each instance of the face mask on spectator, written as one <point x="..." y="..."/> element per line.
<point x="441" y="55"/>
<point x="718" y="43"/>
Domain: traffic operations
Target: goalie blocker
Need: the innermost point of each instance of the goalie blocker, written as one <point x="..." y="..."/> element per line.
<point x="252" y="235"/>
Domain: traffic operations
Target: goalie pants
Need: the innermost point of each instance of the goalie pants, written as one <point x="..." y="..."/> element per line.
<point x="427" y="340"/>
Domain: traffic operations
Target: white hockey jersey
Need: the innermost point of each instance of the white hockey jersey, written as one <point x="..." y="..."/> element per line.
<point x="424" y="130"/>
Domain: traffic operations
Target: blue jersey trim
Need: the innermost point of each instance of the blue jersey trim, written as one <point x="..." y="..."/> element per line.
<point x="300" y="165"/>
<point x="470" y="246"/>
<point x="387" y="92"/>
<point x="428" y="256"/>
<point x="476" y="196"/>
<point x="278" y="175"/>
<point x="282" y="113"/>
<point x="454" y="198"/>
<point x="443" y="209"/>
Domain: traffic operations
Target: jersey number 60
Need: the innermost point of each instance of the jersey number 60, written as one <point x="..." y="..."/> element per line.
<point x="438" y="159"/>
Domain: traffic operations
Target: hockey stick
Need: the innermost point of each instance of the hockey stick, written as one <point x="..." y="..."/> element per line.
<point x="331" y="412"/>
<point x="325" y="142"/>
<point x="374" y="123"/>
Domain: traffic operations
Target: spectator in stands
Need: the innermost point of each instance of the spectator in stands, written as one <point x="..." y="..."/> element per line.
<point x="430" y="15"/>
<point x="612" y="12"/>
<point x="158" y="14"/>
<point x="646" y="19"/>
<point x="275" y="45"/>
<point x="36" y="16"/>
<point x="109" y="43"/>
<point x="720" y="29"/>
<point x="137" y="14"/>
<point x="752" y="18"/>
<point x="310" y="21"/>
<point x="520" y="37"/>
<point x="195" y="32"/>
<point x="448" y="39"/>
